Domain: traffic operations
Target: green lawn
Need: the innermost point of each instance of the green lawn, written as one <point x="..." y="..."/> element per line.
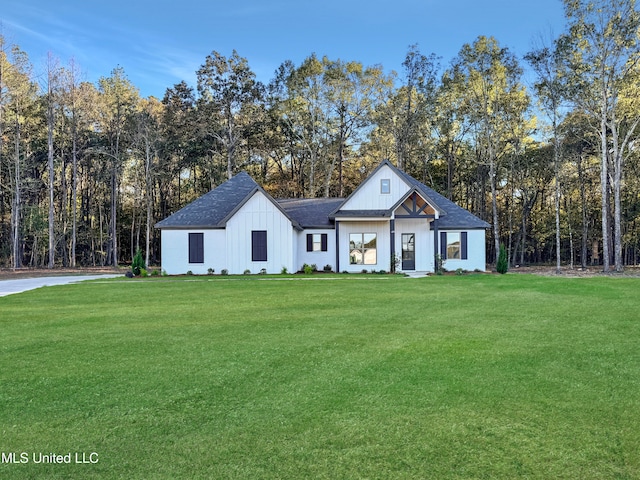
<point x="345" y="377"/>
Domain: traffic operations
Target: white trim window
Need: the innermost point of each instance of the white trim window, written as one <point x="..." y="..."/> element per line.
<point x="363" y="249"/>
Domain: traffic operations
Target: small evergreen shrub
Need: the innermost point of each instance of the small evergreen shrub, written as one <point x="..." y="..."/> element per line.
<point x="129" y="274"/>
<point x="247" y="272"/>
<point x="263" y="271"/>
<point x="314" y="267"/>
<point x="502" y="265"/>
<point x="328" y="268"/>
<point x="189" y="272"/>
<point x="284" y="271"/>
<point x="395" y="262"/>
<point x="211" y="271"/>
<point x="364" y="270"/>
<point x="307" y="269"/>
<point x="224" y="272"/>
<point x="144" y="273"/>
<point x="459" y="271"/>
<point x="138" y="263"/>
<point x="155" y="273"/>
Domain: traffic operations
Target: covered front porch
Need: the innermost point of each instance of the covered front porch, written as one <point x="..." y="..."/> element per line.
<point x="403" y="238"/>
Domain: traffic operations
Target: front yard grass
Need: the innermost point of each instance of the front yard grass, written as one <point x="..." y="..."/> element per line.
<point x="476" y="376"/>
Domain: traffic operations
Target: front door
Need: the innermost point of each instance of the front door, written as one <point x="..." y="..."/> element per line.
<point x="408" y="251"/>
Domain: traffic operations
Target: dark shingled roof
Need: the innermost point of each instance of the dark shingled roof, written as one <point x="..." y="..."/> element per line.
<point x="311" y="212"/>
<point x="213" y="209"/>
<point x="455" y="216"/>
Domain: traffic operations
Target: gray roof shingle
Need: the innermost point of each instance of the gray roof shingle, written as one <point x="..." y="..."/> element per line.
<point x="311" y="212"/>
<point x="213" y="209"/>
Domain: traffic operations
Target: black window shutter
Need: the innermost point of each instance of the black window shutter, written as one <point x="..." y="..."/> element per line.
<point x="259" y="246"/>
<point x="443" y="245"/>
<point x="309" y="242"/>
<point x="463" y="245"/>
<point x="196" y="248"/>
<point x="323" y="242"/>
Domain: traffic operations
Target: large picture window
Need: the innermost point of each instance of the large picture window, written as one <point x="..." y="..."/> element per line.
<point x="196" y="248"/>
<point x="363" y="249"/>
<point x="259" y="246"/>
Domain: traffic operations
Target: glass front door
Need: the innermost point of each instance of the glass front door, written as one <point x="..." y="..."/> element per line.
<point x="408" y="251"/>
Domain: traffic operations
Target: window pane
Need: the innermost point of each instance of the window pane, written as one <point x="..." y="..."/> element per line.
<point x="370" y="256"/>
<point x="385" y="185"/>
<point x="453" y="245"/>
<point x="355" y="257"/>
<point x="317" y="242"/>
<point x="370" y="240"/>
<point x="355" y="240"/>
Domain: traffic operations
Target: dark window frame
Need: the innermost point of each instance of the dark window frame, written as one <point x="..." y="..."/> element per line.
<point x="196" y="247"/>
<point x="259" y="246"/>
<point x="463" y="246"/>
<point x="321" y="245"/>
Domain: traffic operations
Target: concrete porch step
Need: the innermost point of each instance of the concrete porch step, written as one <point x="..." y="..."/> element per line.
<point x="417" y="274"/>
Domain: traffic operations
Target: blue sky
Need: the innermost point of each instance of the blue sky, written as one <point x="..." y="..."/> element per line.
<point x="161" y="43"/>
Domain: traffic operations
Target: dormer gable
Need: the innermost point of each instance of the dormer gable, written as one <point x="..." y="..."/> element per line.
<point x="381" y="190"/>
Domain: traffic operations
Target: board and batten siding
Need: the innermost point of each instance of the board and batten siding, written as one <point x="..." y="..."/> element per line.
<point x="476" y="252"/>
<point x="319" y="259"/>
<point x="175" y="251"/>
<point x="368" y="197"/>
<point x="259" y="214"/>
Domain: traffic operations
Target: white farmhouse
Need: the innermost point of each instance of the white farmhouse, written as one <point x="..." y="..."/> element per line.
<point x="391" y="218"/>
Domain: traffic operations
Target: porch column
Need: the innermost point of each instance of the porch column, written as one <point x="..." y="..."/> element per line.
<point x="337" y="246"/>
<point x="392" y="229"/>
<point x="436" y="246"/>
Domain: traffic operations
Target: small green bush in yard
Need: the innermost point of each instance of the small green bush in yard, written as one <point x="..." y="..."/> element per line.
<point x="502" y="264"/>
<point x="138" y="263"/>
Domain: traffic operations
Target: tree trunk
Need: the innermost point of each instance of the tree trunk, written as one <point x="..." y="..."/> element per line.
<point x="583" y="207"/>
<point x="16" y="207"/>
<point x="604" y="183"/>
<point x="50" y="119"/>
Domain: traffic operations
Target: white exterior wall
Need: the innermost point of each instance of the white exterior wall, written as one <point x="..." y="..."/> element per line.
<point x="320" y="259"/>
<point x="476" y="252"/>
<point x="175" y="251"/>
<point x="383" y="245"/>
<point x="259" y="213"/>
<point x="423" y="242"/>
<point x="368" y="197"/>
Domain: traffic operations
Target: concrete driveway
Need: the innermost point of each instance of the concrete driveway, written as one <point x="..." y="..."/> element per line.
<point x="7" y="287"/>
